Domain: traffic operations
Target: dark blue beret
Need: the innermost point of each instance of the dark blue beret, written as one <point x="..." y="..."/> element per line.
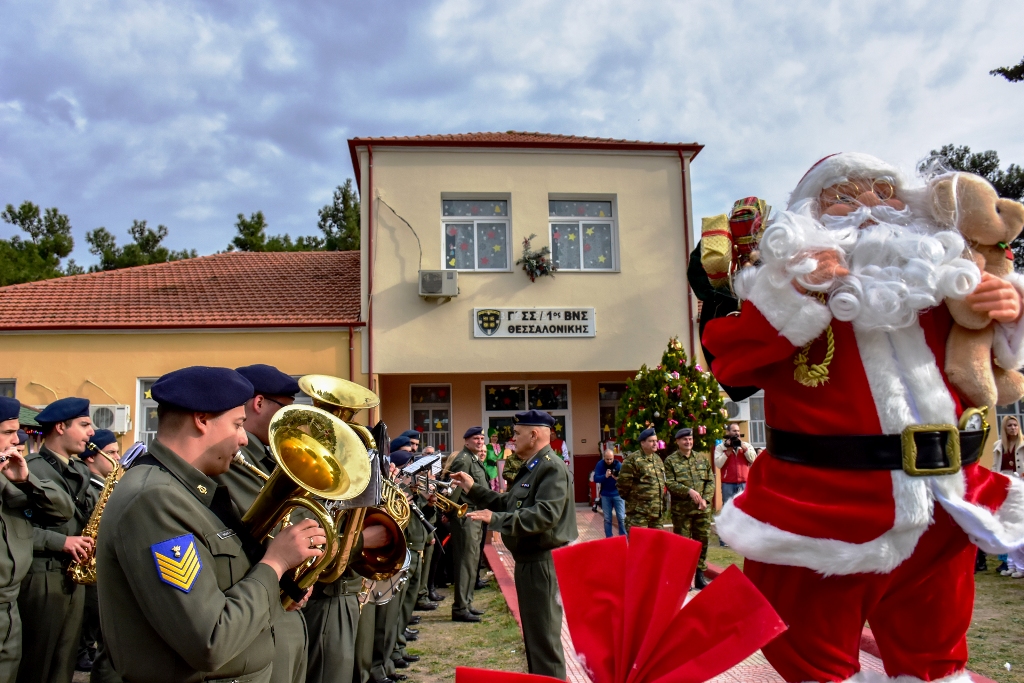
<point x="534" y="418"/>
<point x="102" y="438"/>
<point x="472" y="431"/>
<point x="647" y="433"/>
<point x="399" y="441"/>
<point x="266" y="379"/>
<point x="400" y="458"/>
<point x="22" y="437"/>
<point x="202" y="389"/>
<point x="63" y="409"/>
<point x="411" y="434"/>
<point x="685" y="431"/>
<point x="10" y="408"/>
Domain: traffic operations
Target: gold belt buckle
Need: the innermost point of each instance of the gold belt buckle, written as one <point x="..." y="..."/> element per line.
<point x="910" y="450"/>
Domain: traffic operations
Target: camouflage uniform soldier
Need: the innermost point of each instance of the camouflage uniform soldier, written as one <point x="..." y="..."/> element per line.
<point x="642" y="484"/>
<point x="691" y="482"/>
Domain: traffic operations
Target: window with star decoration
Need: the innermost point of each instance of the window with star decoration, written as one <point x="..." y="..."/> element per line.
<point x="476" y="234"/>
<point x="583" y="235"/>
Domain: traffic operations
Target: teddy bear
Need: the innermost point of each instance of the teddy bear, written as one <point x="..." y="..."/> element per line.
<point x="988" y="224"/>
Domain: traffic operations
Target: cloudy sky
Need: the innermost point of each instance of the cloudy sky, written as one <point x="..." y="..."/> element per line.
<point x="186" y="112"/>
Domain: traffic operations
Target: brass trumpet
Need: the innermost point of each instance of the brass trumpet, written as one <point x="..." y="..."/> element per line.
<point x="443" y="503"/>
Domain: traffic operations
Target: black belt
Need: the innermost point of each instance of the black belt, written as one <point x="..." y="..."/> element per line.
<point x="921" y="450"/>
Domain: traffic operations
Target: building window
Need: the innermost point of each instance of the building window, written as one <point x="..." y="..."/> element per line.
<point x="756" y="423"/>
<point x="7" y="387"/>
<point x="503" y="400"/>
<point x="147" y="412"/>
<point x="608" y="395"/>
<point x="431" y="407"/>
<point x="476" y="234"/>
<point x="583" y="235"/>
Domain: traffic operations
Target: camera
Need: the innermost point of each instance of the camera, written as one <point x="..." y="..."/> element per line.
<point x="733" y="441"/>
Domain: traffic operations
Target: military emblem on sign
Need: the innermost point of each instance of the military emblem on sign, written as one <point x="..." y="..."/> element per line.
<point x="488" y="321"/>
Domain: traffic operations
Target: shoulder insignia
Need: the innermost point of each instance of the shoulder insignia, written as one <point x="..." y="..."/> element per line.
<point x="533" y="463"/>
<point x="547" y="457"/>
<point x="177" y="562"/>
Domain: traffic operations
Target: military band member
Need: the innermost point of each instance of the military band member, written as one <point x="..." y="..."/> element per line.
<point x="467" y="532"/>
<point x="641" y="484"/>
<point x="51" y="605"/>
<point x="417" y="538"/>
<point x="186" y="594"/>
<point x="23" y="496"/>
<point x="691" y="482"/>
<point x="536" y="515"/>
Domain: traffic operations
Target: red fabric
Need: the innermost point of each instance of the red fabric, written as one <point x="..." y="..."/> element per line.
<point x="919" y="613"/>
<point x="986" y="488"/>
<point x="736" y="467"/>
<point x="465" y="674"/>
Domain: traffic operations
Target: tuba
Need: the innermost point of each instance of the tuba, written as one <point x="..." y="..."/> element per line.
<point x="318" y="457"/>
<point x="343" y="399"/>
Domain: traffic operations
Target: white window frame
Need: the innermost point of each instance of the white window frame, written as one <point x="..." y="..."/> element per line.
<point x="474" y="220"/>
<point x="566" y="412"/>
<point x="433" y="406"/>
<point x="757" y="427"/>
<point x="140" y="411"/>
<point x="613" y="220"/>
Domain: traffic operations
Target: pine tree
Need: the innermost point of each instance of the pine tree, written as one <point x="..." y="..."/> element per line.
<point x="668" y="397"/>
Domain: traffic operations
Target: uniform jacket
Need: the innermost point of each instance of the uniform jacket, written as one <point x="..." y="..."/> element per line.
<point x="74" y="480"/>
<point x="693" y="472"/>
<point x="156" y="631"/>
<point x="537" y="513"/>
<point x="642" y="483"/>
<point x="735" y="464"/>
<point x="467" y="462"/>
<point x="42" y="501"/>
<point x="836" y="521"/>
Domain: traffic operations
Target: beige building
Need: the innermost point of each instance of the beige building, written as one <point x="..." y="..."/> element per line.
<point x="616" y="217"/>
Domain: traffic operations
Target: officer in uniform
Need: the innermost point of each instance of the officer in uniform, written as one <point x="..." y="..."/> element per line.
<point x="51" y="605"/>
<point x="466" y="532"/>
<point x="186" y="594"/>
<point x="23" y="496"/>
<point x="273" y="390"/>
<point x="536" y="515"/>
<point x="642" y="484"/>
<point x="691" y="483"/>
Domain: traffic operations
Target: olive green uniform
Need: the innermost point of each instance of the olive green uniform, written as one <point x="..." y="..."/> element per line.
<point x="290" y="638"/>
<point x="36" y="499"/>
<point x="641" y="484"/>
<point x="364" y="643"/>
<point x="207" y="615"/>
<point x="416" y="537"/>
<point x="536" y="515"/>
<point x="683" y="473"/>
<point x="466" y="534"/>
<point x="51" y="605"/>
<point x="102" y="669"/>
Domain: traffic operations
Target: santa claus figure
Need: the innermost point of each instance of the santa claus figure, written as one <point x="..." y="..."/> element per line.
<point x="869" y="501"/>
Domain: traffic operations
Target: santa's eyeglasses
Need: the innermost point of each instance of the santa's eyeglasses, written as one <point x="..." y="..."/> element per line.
<point x="850" y="192"/>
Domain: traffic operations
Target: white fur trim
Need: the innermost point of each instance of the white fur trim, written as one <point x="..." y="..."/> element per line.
<point x="798" y="317"/>
<point x="1008" y="342"/>
<point x="880" y="677"/>
<point x="839" y="167"/>
<point x="996" y="533"/>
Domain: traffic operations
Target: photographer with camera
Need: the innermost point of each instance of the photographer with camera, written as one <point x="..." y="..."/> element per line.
<point x="733" y="457"/>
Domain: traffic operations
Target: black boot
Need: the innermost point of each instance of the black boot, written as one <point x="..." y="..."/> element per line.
<point x="699" y="581"/>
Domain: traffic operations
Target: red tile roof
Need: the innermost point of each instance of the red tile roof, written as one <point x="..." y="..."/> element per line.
<point x="235" y="289"/>
<point x="518" y="139"/>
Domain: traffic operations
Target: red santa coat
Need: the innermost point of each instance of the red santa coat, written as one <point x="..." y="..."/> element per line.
<point x="845" y="521"/>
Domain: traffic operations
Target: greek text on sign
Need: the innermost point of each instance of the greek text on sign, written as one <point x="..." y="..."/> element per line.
<point x="533" y="323"/>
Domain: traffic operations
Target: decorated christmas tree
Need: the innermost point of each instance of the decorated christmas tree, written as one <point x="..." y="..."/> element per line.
<point x="668" y="397"/>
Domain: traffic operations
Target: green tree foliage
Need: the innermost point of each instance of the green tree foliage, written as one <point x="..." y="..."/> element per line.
<point x="673" y="395"/>
<point x="145" y="248"/>
<point x="1014" y="74"/>
<point x="39" y="257"/>
<point x="1009" y="183"/>
<point x="339" y="220"/>
<point x="252" y="236"/>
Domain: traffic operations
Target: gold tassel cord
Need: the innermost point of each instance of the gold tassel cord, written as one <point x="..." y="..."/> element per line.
<point x="815" y="374"/>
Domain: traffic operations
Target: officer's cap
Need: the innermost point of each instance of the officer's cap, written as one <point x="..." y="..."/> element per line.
<point x="472" y="431"/>
<point x="685" y="431"/>
<point x="411" y="434"/>
<point x="534" y="418"/>
<point x="22" y="437"/>
<point x="202" y="389"/>
<point x="647" y="433"/>
<point x="266" y="379"/>
<point x="101" y="439"/>
<point x="63" y="409"/>
<point x="10" y="408"/>
<point x="399" y="442"/>
<point x="400" y="458"/>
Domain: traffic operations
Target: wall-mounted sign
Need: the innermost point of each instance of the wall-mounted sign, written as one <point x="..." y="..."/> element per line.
<point x="534" y="323"/>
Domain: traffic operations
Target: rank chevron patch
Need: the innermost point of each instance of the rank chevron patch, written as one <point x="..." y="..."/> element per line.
<point x="177" y="562"/>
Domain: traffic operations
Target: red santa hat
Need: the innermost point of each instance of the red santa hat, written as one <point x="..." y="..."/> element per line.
<point x="837" y="168"/>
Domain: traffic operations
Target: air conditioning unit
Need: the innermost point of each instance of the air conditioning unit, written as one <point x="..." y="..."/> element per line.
<point x="116" y="418"/>
<point x="437" y="284"/>
<point x="738" y="411"/>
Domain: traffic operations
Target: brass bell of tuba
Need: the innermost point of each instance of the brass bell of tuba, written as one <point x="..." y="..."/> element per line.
<point x="318" y="456"/>
<point x="344" y="399"/>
